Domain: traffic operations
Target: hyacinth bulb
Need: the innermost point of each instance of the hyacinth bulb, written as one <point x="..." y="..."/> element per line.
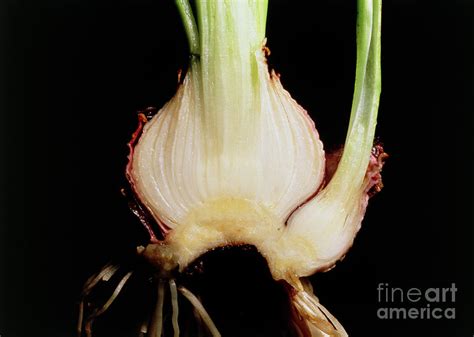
<point x="232" y="159"/>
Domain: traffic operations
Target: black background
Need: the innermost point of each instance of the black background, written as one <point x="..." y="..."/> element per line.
<point x="75" y="72"/>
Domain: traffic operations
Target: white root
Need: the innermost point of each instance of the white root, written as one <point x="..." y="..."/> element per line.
<point x="116" y="292"/>
<point x="156" y="325"/>
<point x="174" y="304"/>
<point x="81" y="318"/>
<point x="202" y="312"/>
<point x="198" y="319"/>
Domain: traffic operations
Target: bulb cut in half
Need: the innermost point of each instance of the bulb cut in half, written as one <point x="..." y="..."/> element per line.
<point x="233" y="159"/>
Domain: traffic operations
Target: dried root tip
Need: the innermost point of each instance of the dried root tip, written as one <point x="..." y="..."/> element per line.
<point x="310" y="318"/>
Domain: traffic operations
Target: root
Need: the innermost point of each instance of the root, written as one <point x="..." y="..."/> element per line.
<point x="151" y="327"/>
<point x="312" y="298"/>
<point x="104" y="275"/>
<point x="80" y="319"/>
<point x="96" y="313"/>
<point x="201" y="311"/>
<point x="316" y="319"/>
<point x="198" y="319"/>
<point x="174" y="304"/>
<point x="144" y="327"/>
<point x="156" y="325"/>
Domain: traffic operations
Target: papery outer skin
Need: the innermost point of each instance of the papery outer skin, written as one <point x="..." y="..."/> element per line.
<point x="134" y="203"/>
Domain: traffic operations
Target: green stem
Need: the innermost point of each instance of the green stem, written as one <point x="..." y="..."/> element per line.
<point x="228" y="37"/>
<point x="190" y="26"/>
<point x="360" y="135"/>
